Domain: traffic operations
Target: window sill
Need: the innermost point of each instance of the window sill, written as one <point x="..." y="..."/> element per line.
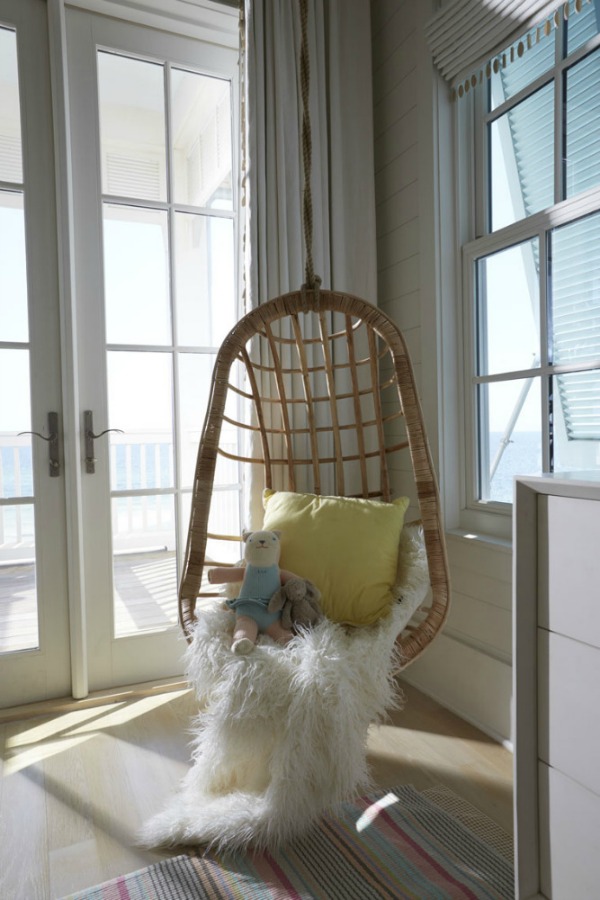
<point x="479" y="538"/>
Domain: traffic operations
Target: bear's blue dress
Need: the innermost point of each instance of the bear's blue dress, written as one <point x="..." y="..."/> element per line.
<point x="258" y="586"/>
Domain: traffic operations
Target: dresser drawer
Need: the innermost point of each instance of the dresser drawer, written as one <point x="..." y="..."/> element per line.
<point x="569" y="837"/>
<point x="568" y="711"/>
<point x="569" y="567"/>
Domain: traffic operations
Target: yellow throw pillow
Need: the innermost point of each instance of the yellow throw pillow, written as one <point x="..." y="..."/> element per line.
<point x="348" y="547"/>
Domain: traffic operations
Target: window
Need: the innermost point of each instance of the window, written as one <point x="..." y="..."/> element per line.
<point x="531" y="276"/>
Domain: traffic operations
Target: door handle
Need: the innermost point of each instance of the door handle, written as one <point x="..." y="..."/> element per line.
<point x="52" y="441"/>
<point x="90" y="437"/>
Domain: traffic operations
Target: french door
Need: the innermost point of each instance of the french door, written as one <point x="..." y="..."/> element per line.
<point x="153" y="268"/>
<point x="34" y="616"/>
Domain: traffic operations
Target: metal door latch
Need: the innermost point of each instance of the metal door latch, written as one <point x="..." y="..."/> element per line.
<point x="52" y="441"/>
<point x="90" y="437"/>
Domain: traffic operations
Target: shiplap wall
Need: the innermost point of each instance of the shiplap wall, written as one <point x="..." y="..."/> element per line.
<point x="468" y="668"/>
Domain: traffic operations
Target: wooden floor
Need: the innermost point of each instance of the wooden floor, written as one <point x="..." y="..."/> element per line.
<point x="76" y="786"/>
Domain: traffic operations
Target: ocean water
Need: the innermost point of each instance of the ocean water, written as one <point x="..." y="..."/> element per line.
<point x="137" y="466"/>
<point x="522" y="456"/>
<point x="133" y="467"/>
<point x="16" y="476"/>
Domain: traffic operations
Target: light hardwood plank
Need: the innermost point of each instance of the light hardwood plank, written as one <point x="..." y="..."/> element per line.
<point x="23" y="828"/>
<point x="425" y="744"/>
<point x="77" y="785"/>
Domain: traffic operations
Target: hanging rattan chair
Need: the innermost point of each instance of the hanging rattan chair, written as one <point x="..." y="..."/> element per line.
<point x="330" y="405"/>
<point x="327" y="404"/>
<point x="312" y="392"/>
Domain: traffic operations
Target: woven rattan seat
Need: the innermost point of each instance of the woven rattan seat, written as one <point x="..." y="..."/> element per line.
<point x="319" y="387"/>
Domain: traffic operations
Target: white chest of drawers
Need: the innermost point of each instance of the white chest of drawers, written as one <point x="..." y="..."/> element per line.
<point x="556" y="666"/>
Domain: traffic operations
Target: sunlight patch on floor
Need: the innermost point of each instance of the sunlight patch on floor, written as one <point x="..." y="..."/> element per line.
<point x="398" y="732"/>
<point x="370" y="814"/>
<point x="91" y="719"/>
<point x="31" y="756"/>
<point x="123" y="713"/>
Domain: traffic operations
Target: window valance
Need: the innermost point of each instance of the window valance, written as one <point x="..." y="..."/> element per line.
<point x="468" y="37"/>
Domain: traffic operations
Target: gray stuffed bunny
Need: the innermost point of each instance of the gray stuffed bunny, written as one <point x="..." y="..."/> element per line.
<point x="298" y="600"/>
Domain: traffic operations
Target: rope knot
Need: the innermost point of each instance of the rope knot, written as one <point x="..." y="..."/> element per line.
<point x="315" y="287"/>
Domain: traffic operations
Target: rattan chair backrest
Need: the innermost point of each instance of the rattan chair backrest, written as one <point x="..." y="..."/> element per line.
<point x="326" y="403"/>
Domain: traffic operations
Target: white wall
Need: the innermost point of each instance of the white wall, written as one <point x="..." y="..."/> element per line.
<point x="468" y="668"/>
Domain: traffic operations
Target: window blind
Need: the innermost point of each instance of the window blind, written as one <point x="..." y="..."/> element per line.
<point x="575" y="268"/>
<point x="466" y="35"/>
<point x="576" y="323"/>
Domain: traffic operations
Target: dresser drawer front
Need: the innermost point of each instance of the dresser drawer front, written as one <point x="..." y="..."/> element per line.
<point x="568" y="712"/>
<point x="569" y="837"/>
<point x="569" y="567"/>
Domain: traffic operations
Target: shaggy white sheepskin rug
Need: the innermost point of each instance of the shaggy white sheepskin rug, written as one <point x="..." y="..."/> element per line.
<point x="282" y="736"/>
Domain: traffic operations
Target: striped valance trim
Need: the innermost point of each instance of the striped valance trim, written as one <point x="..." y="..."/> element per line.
<point x="469" y="39"/>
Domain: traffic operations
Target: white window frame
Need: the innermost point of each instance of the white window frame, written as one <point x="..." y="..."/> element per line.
<point x="468" y="240"/>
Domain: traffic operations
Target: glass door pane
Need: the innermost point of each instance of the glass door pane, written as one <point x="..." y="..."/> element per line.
<point x="201" y="149"/>
<point x="169" y="299"/>
<point x="11" y="157"/>
<point x="19" y="625"/>
<point x="136" y="275"/>
<point x="205" y="277"/>
<point x="140" y="397"/>
<point x="13" y="269"/>
<point x="132" y="127"/>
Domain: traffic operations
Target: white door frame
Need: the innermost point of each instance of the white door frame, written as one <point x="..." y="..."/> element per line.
<point x="205" y="20"/>
<point x="69" y="359"/>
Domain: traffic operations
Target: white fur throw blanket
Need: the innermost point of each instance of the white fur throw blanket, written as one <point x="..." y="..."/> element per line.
<point x="283" y="733"/>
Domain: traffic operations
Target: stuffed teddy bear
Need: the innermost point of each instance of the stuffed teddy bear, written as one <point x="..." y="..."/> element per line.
<point x="298" y="600"/>
<point x="261" y="577"/>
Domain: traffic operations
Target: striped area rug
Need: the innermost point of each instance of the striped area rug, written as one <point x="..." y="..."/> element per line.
<point x="394" y="844"/>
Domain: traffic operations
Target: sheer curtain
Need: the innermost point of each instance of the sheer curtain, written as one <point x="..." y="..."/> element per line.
<point x="342" y="184"/>
<point x="341" y="111"/>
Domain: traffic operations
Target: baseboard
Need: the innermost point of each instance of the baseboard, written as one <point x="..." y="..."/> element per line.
<point x="95" y="698"/>
<point x="468" y="682"/>
<point x="481" y="726"/>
